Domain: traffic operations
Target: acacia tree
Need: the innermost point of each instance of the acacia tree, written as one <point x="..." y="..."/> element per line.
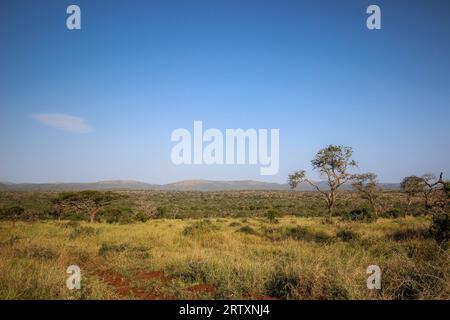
<point x="13" y="213"/>
<point x="366" y="184"/>
<point x="431" y="183"/>
<point x="88" y="201"/>
<point x="412" y="186"/>
<point x="332" y="163"/>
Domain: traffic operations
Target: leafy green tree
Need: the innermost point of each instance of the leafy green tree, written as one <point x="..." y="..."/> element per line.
<point x="12" y="213"/>
<point x="332" y="163"/>
<point x="366" y="184"/>
<point x="447" y="188"/>
<point x="86" y="202"/>
<point x="272" y="215"/>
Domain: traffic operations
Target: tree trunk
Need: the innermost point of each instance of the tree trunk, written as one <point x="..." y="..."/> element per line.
<point x="409" y="204"/>
<point x="93" y="214"/>
<point x="331" y="201"/>
<point x="374" y="206"/>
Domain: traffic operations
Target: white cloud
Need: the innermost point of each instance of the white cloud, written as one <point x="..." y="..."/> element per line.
<point x="63" y="121"/>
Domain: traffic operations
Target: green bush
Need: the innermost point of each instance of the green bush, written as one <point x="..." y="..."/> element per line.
<point x="141" y="217"/>
<point x="117" y="215"/>
<point x="272" y="215"/>
<point x="282" y="284"/>
<point x="106" y="248"/>
<point x="347" y="235"/>
<point x="161" y="212"/>
<point x="440" y="227"/>
<point x="409" y="233"/>
<point x="83" y="232"/>
<point x="394" y="213"/>
<point x="199" y="227"/>
<point x="247" y="230"/>
<point x="11" y="213"/>
<point x="361" y="215"/>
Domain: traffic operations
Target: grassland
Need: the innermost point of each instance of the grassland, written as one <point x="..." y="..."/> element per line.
<point x="220" y="246"/>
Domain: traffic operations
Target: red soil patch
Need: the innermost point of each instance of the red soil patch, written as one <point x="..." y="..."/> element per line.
<point x="252" y="296"/>
<point x="202" y="288"/>
<point x="123" y="286"/>
<point x="153" y="275"/>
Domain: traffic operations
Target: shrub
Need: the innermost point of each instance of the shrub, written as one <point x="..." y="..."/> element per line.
<point x="282" y="284"/>
<point x="302" y="233"/>
<point x="247" y="230"/>
<point x="70" y="224"/>
<point x="347" y="235"/>
<point x="141" y="217"/>
<point x="361" y="215"/>
<point x="41" y="253"/>
<point x="11" y="241"/>
<point x="409" y="233"/>
<point x="234" y="224"/>
<point x="11" y="213"/>
<point x="117" y="215"/>
<point x="202" y="226"/>
<point x="440" y="228"/>
<point x="393" y="213"/>
<point x="272" y="215"/>
<point x="83" y="232"/>
<point x="106" y="248"/>
<point x="74" y="216"/>
<point x="161" y="212"/>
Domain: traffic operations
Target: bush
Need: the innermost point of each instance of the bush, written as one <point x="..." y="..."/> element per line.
<point x="347" y="235"/>
<point x="75" y="216"/>
<point x="202" y="226"/>
<point x="440" y="228"/>
<point x="361" y="215"/>
<point x="298" y="233"/>
<point x="83" y="232"/>
<point x="394" y="213"/>
<point x="409" y="233"/>
<point x="272" y="215"/>
<point x="141" y="217"/>
<point x="41" y="253"/>
<point x="282" y="284"/>
<point x="117" y="215"/>
<point x="106" y="248"/>
<point x="161" y="212"/>
<point x="247" y="230"/>
<point x="11" y="213"/>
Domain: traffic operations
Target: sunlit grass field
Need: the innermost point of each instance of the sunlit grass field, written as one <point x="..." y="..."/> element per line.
<point x="223" y="258"/>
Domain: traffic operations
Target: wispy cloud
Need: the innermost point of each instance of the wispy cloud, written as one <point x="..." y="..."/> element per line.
<point x="63" y="121"/>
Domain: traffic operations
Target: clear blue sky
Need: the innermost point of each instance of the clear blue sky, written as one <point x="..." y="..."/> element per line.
<point x="140" y="69"/>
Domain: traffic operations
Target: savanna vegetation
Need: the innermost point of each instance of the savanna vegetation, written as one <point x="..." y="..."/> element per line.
<point x="234" y="244"/>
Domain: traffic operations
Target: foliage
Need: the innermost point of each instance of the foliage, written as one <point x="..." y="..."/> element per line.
<point x="87" y="202"/>
<point x="272" y="215"/>
<point x="366" y="185"/>
<point x="440" y="227"/>
<point x="347" y="235"/>
<point x="360" y="215"/>
<point x="332" y="163"/>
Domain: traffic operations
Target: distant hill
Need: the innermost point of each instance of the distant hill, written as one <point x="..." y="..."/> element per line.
<point x="185" y="185"/>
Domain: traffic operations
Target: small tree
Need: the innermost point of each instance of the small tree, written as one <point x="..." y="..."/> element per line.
<point x="272" y="215"/>
<point x="431" y="183"/>
<point x="366" y="184"/>
<point x="412" y="186"/>
<point x="89" y="202"/>
<point x="332" y="163"/>
<point x="12" y="213"/>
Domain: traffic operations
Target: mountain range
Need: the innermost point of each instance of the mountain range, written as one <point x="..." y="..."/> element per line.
<point x="184" y="185"/>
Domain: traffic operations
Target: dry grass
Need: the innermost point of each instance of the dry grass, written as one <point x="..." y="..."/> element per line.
<point x="226" y="258"/>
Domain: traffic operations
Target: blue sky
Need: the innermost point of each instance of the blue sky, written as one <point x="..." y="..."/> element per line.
<point x="137" y="70"/>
